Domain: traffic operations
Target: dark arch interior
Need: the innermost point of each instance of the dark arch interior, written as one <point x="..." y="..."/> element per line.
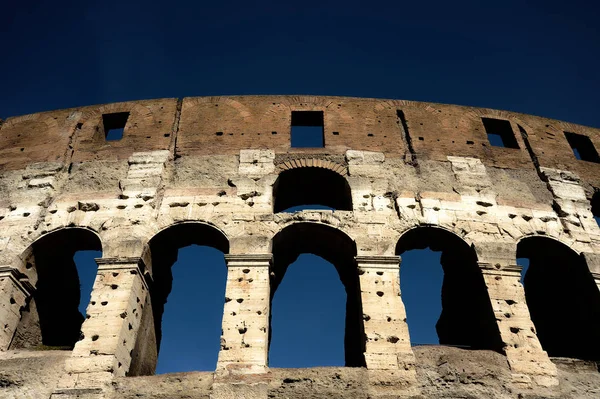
<point x="563" y="299"/>
<point x="311" y="186"/>
<point x="338" y="249"/>
<point x="164" y="248"/>
<point x="467" y="317"/>
<point x="52" y="318"/>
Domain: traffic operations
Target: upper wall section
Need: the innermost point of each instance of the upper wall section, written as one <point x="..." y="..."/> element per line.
<point x="224" y="125"/>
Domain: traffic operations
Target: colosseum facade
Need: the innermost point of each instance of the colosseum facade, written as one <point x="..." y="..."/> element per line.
<point x="483" y="186"/>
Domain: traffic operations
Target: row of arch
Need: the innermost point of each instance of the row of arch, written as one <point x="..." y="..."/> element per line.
<point x="561" y="294"/>
<point x="327" y="188"/>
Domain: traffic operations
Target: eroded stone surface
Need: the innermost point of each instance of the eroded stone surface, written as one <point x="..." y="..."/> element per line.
<point x="218" y="162"/>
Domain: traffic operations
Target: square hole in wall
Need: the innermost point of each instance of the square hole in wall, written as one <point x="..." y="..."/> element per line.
<point x="307" y="129"/>
<point x="582" y="147"/>
<point x="500" y="133"/>
<point x="114" y="125"/>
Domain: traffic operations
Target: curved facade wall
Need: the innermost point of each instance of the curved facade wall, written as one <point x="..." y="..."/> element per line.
<point x="491" y="179"/>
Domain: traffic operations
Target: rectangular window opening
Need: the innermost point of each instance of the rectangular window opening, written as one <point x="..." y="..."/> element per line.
<point x="582" y="147"/>
<point x="114" y="125"/>
<point x="308" y="129"/>
<point x="500" y="133"/>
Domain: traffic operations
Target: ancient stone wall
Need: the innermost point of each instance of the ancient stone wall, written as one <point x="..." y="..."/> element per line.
<point x="219" y="171"/>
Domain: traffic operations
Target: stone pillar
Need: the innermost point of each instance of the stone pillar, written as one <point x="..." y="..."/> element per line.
<point x="527" y="360"/>
<point x="245" y="338"/>
<point x="15" y="292"/>
<point x="111" y="329"/>
<point x="592" y="260"/>
<point x="384" y="315"/>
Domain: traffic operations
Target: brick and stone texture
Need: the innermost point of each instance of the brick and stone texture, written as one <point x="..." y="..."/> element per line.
<point x="389" y="167"/>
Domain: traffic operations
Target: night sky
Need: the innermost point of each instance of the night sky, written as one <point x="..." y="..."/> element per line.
<point x="538" y="58"/>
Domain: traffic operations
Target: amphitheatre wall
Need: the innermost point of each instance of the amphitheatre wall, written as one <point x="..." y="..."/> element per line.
<point x="483" y="186"/>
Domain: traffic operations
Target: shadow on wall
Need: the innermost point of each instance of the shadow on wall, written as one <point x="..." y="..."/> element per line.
<point x="310" y="185"/>
<point x="467" y="318"/>
<point x="52" y="317"/>
<point x="563" y="299"/>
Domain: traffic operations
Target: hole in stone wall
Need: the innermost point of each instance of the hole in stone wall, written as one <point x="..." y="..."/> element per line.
<point x="187" y="299"/>
<point x="563" y="299"/>
<point x="114" y="125"/>
<point x="66" y="270"/>
<point x="311" y="188"/>
<point x="582" y="147"/>
<point x="307" y="129"/>
<point x="464" y="317"/>
<point x="307" y="300"/>
<point x="500" y="133"/>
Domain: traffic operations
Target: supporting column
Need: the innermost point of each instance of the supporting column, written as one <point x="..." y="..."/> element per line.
<point x="15" y="292"/>
<point x="388" y="354"/>
<point x="526" y="358"/>
<point x="592" y="260"/>
<point x="244" y="342"/>
<point x="113" y="325"/>
<point x="384" y="315"/>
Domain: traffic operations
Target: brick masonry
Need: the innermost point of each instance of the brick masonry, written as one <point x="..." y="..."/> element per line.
<point x="215" y="161"/>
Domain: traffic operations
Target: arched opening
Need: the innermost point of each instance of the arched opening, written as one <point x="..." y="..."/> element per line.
<point x="189" y="278"/>
<point x="328" y="247"/>
<point x="563" y="299"/>
<point x="310" y="186"/>
<point x="466" y="318"/>
<point x="63" y="261"/>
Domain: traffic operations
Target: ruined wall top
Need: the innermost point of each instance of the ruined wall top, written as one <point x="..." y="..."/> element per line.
<point x="224" y="125"/>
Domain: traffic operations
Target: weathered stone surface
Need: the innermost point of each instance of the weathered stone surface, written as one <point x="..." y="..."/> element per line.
<point x="216" y="162"/>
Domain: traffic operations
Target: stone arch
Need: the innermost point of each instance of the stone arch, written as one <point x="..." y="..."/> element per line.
<point x="51" y="123"/>
<point x="558" y="237"/>
<point x="243" y="111"/>
<point x="467" y="318"/>
<point x="164" y="248"/>
<point x="308" y="162"/>
<point x="306" y="102"/>
<point x="559" y="127"/>
<point x="336" y="247"/>
<point x="519" y="127"/>
<point x="51" y="316"/>
<point x="398" y="104"/>
<point x="563" y="299"/>
<point x="90" y="119"/>
<point x="310" y="185"/>
<point x="33" y="138"/>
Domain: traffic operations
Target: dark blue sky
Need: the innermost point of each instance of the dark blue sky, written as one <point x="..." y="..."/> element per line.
<point x="534" y="57"/>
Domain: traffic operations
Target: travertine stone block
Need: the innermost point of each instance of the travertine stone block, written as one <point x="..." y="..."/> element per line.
<point x="384" y="315"/>
<point x="15" y="292"/>
<point x="244" y="342"/>
<point x="111" y="329"/>
<point x="521" y="345"/>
